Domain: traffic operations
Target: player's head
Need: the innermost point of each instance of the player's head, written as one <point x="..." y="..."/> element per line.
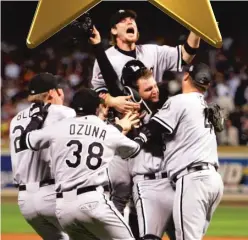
<point x="196" y="77"/>
<point x="87" y="102"/>
<point x="123" y="27"/>
<point x="136" y="75"/>
<point x="46" y="87"/>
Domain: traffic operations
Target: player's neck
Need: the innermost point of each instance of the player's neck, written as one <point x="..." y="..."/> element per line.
<point x="126" y="46"/>
<point x="191" y="90"/>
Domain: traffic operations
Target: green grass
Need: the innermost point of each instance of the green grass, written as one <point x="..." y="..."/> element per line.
<point x="12" y="220"/>
<point x="227" y="221"/>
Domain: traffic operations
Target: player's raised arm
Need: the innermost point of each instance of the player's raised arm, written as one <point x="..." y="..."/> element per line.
<point x="115" y="97"/>
<point x="190" y="47"/>
<point x="172" y="58"/>
<point x="114" y="86"/>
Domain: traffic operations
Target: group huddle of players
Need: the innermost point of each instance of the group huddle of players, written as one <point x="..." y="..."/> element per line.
<point x="123" y="142"/>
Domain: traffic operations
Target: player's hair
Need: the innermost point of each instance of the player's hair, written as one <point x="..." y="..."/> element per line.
<point x="144" y="74"/>
<point x="202" y="88"/>
<point x="38" y="97"/>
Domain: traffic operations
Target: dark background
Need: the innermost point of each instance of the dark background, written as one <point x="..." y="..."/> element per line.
<point x="72" y="61"/>
<point x="231" y="16"/>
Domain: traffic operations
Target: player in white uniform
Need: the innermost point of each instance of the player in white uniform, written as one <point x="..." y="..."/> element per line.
<point x="81" y="149"/>
<point x="31" y="170"/>
<point x="125" y="34"/>
<point x="191" y="153"/>
<point x="153" y="194"/>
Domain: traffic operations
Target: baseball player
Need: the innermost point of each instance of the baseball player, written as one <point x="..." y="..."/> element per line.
<point x="135" y="76"/>
<point x="80" y="156"/>
<point x="33" y="177"/>
<point x="188" y="126"/>
<point x="125" y="34"/>
<point x="153" y="194"/>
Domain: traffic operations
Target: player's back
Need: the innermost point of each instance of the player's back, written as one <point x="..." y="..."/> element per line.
<point x="81" y="149"/>
<point x="193" y="139"/>
<point x="32" y="166"/>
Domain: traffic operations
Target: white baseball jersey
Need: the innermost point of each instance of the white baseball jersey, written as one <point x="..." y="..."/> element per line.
<point x="145" y="162"/>
<point x="81" y="149"/>
<point x="30" y="166"/>
<point x="190" y="137"/>
<point x="157" y="58"/>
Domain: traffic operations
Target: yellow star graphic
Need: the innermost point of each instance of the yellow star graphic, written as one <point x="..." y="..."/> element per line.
<point x="53" y="15"/>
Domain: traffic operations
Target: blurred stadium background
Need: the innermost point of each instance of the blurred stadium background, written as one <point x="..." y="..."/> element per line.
<point x="73" y="60"/>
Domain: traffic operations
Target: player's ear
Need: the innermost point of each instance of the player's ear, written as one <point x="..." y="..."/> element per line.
<point x="50" y="94"/>
<point x="113" y="31"/>
<point x="186" y="76"/>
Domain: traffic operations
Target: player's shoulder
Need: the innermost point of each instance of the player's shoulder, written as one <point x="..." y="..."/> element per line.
<point x="146" y="47"/>
<point x="58" y="113"/>
<point x="111" y="51"/>
<point x="62" y="111"/>
<point x="21" y="118"/>
<point x="177" y="101"/>
<point x="184" y="99"/>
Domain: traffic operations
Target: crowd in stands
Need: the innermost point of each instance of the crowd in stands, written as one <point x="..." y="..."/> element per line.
<point x="229" y="88"/>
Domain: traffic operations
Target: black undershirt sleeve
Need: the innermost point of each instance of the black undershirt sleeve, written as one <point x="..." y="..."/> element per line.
<point x="110" y="77"/>
<point x="34" y="124"/>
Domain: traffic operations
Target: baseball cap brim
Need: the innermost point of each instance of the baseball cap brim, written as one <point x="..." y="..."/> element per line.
<point x="120" y="15"/>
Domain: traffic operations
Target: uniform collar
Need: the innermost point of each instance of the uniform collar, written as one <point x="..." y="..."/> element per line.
<point x="131" y="53"/>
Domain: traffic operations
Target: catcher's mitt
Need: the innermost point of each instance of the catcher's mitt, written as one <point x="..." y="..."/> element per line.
<point x="215" y="116"/>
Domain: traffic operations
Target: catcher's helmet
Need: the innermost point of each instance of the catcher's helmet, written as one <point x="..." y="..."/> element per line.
<point x="85" y="102"/>
<point x="200" y="73"/>
<point x="131" y="72"/>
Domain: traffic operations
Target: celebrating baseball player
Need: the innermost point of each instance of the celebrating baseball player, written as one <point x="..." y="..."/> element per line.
<point x="31" y="169"/>
<point x="136" y="77"/>
<point x="80" y="155"/>
<point x="188" y="127"/>
<point x="125" y="34"/>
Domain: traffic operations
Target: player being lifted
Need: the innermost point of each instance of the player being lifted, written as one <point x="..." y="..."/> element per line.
<point x="80" y="155"/>
<point x="152" y="192"/>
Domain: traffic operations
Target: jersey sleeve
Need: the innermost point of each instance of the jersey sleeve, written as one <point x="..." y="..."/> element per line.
<point x="124" y="147"/>
<point x="170" y="58"/>
<point x="170" y="114"/>
<point x="39" y="139"/>
<point x="97" y="80"/>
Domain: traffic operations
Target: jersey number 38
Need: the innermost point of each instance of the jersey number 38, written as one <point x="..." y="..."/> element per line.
<point x="91" y="157"/>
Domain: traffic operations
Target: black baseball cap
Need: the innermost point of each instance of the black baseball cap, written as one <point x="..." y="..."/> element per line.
<point x="200" y="73"/>
<point x="120" y="15"/>
<point x="85" y="101"/>
<point x="43" y="82"/>
<point x="132" y="71"/>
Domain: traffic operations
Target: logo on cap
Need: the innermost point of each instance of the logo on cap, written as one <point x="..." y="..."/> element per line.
<point x="121" y="11"/>
<point x="135" y="68"/>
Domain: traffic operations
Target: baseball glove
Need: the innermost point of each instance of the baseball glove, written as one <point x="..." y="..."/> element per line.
<point x="215" y="116"/>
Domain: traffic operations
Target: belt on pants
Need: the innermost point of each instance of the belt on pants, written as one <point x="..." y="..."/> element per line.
<point x="84" y="190"/>
<point x="194" y="168"/>
<point x="153" y="176"/>
<point x="41" y="184"/>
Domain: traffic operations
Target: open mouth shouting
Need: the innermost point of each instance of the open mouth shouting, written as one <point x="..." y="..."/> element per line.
<point x="130" y="30"/>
